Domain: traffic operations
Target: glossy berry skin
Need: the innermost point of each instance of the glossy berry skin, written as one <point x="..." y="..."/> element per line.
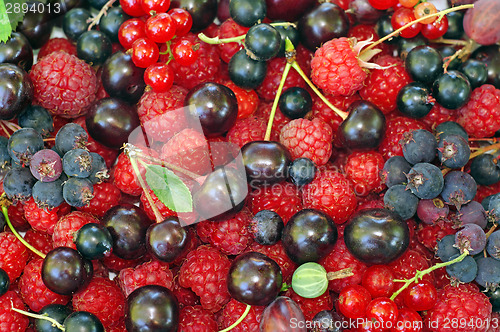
<point x="353" y="300"/>
<point x="424" y="64"/>
<point x="159" y="76"/>
<point x="364" y="127"/>
<point x="421" y="296"/>
<point x="279" y="313"/>
<point x="4" y="282"/>
<point x="246" y="72"/>
<point x="295" y="102"/>
<point x="65" y="271"/>
<point x="58" y="312"/>
<point x="83" y="321"/>
<point x="183" y="21"/>
<point x="203" y="12"/>
<point x="476" y="71"/>
<point x="485" y="169"/>
<point x="185" y="52"/>
<point x="130" y="31"/>
<point x="376" y="236"/>
<point x="247" y="12"/>
<point x="382" y="310"/>
<point x="75" y="23"/>
<point x="451" y="90"/>
<point x="403" y="16"/>
<point x="94" y="47"/>
<point x="254" y="279"/>
<point x="415" y="100"/>
<point x="145" y="52"/>
<point x="379" y="281"/>
<point x="302" y="171"/>
<point x="93" y="241"/>
<point x="18" y="51"/>
<point x="16" y="91"/>
<point x="263" y="42"/>
<point x="309" y="236"/>
<point x="110" y="122"/>
<point x="111" y="22"/>
<point x="160" y="28"/>
<point x="152" y="308"/>
<point x="155" y="6"/>
<point x="167" y="240"/>
<point x="215" y="105"/>
<point x="266" y="162"/>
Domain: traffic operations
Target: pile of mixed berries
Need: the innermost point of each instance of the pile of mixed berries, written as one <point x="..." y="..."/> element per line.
<point x="251" y="165"/>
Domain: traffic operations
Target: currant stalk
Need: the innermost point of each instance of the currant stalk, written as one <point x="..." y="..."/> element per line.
<point x="38" y="316"/>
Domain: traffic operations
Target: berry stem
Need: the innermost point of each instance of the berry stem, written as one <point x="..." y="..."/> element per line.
<point x="216" y="40"/>
<point x="37" y="316"/>
<point x="420" y="274"/>
<point x="488" y="148"/>
<point x="396" y="32"/>
<point x="95" y="20"/>
<point x="11" y="126"/>
<point x="4" y="129"/>
<point x="16" y="234"/>
<point x="449" y="41"/>
<point x="242" y="317"/>
<point x="340" y="274"/>
<point x="286" y="70"/>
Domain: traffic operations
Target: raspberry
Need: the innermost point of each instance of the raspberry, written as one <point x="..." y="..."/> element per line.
<point x="405" y="266"/>
<point x="17" y="218"/>
<point x="13" y="255"/>
<point x="149" y="273"/>
<point x="382" y="86"/>
<point x="248" y="100"/>
<point x="68" y="225"/>
<point x="396" y="127"/>
<point x="9" y="319"/>
<point x="246" y="130"/>
<point x="116" y="264"/>
<point x="229" y="28"/>
<point x="106" y="195"/>
<point x="185" y="296"/>
<point x="196" y="319"/>
<point x="44" y="220"/>
<point x="125" y="178"/>
<point x="459" y="303"/>
<point x="277" y="253"/>
<point x="103" y="298"/>
<point x="335" y="68"/>
<point x="57" y="44"/>
<point x="309" y="139"/>
<point x="205" y="272"/>
<point x="282" y="198"/>
<point x="63" y="84"/>
<point x="480" y="117"/>
<point x="340" y="258"/>
<point x="332" y="193"/>
<point x="39" y="240"/>
<point x="267" y="90"/>
<point x="234" y="310"/>
<point x="205" y="69"/>
<point x="438" y="115"/>
<point x="428" y="235"/>
<point x="33" y="290"/>
<point x="162" y="114"/>
<point x="363" y="169"/>
<point x="310" y="307"/>
<point x="280" y="120"/>
<point x="146" y="207"/>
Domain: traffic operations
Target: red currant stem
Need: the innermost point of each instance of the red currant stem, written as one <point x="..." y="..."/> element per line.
<point x="420" y="274"/>
<point x="16" y="234"/>
<point x="485" y="139"/>
<point x="396" y="32"/>
<point x="449" y="41"/>
<point x="286" y="70"/>
<point x="49" y="139"/>
<point x="4" y="129"/>
<point x="480" y="151"/>
<point x="12" y="126"/>
<point x="299" y="70"/>
<point x="340" y="274"/>
<point x="37" y="316"/>
<point x="217" y="40"/>
<point x="242" y="317"/>
<point x="95" y="20"/>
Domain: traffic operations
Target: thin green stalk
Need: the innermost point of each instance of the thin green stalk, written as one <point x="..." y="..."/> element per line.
<point x="276" y="100"/>
<point x="242" y="317"/>
<point x="37" y="316"/>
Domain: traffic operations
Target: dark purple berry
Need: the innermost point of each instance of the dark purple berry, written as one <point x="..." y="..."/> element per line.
<point x="46" y="165"/>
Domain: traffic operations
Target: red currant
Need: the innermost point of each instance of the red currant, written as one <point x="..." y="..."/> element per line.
<point x="159" y="76"/>
<point x="185" y="52"/>
<point x="353" y="301"/>
<point x="155" y="6"/>
<point x="408" y="321"/>
<point x="132" y="7"/>
<point x="382" y="4"/>
<point x="408" y="3"/>
<point x="130" y="31"/>
<point x="378" y="280"/>
<point x="421" y="296"/>
<point x="160" y="28"/>
<point x="183" y="21"/>
<point x="382" y="310"/>
<point x="435" y="29"/>
<point x="145" y="52"/>
<point x="424" y="9"/>
<point x="403" y="16"/>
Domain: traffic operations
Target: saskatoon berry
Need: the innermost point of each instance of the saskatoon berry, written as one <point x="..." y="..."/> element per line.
<point x="78" y="192"/>
<point x="451" y="127"/>
<point x="451" y="89"/>
<point x="401" y="201"/>
<point x="71" y="136"/>
<point x="38" y="118"/>
<point x="99" y="170"/>
<point x="295" y="102"/>
<point x="395" y="170"/>
<point x="415" y="100"/>
<point x="247" y="12"/>
<point x="485" y="169"/>
<point x="266" y="227"/>
<point x="459" y="188"/>
<point x="419" y="146"/>
<point x="431" y="210"/>
<point x="470" y="237"/>
<point x="302" y="171"/>
<point x="93" y="47"/>
<point x="4" y="282"/>
<point x="83" y="321"/>
<point x="16" y="91"/>
<point x="46" y="165"/>
<point x="494" y="207"/>
<point x="5" y="159"/>
<point x="488" y="272"/>
<point x="463" y="271"/>
<point x="446" y="248"/>
<point x="473" y="213"/>
<point x="18" y="51"/>
<point x="58" y="312"/>
<point x="167" y="240"/>
<point x="424" y="64"/>
<point x="453" y="150"/>
<point x="262" y="42"/>
<point x="93" y="241"/>
<point x="246" y="72"/>
<point x="493" y="245"/>
<point x="425" y="180"/>
<point x="48" y="194"/>
<point x="77" y="162"/>
<point x="23" y="144"/>
<point x="18" y="183"/>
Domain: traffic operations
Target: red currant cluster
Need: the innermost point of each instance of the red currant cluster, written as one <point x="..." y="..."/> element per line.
<point x="150" y="29"/>
<point x="406" y="11"/>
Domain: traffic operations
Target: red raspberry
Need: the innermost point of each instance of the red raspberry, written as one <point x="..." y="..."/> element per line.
<point x="335" y="68"/>
<point x="340" y="258"/>
<point x="277" y="253"/>
<point x="205" y="272"/>
<point x="194" y="242"/>
<point x="229" y="28"/>
<point x="493" y="323"/>
<point x="267" y="90"/>
<point x="33" y="290"/>
<point x="370" y="202"/>
<point x="116" y="264"/>
<point x="39" y="240"/>
<point x="248" y="100"/>
<point x="103" y="298"/>
<point x="125" y="178"/>
<point x="188" y="149"/>
<point x="57" y="44"/>
<point x="363" y="169"/>
<point x="231" y="236"/>
<point x="63" y="84"/>
<point x="44" y="220"/>
<point x="149" y="273"/>
<point x="196" y="319"/>
<point x="324" y="112"/>
<point x="146" y="207"/>
<point x="396" y="127"/>
<point x="462" y="303"/>
<point x="17" y="218"/>
<point x="405" y="266"/>
<point x="438" y="115"/>
<point x="310" y="307"/>
<point x="106" y="195"/>
<point x="9" y="319"/>
<point x="282" y="198"/>
<point x="481" y="115"/>
<point x="13" y="255"/>
<point x="234" y="310"/>
<point x="428" y="235"/>
<point x="332" y="193"/>
<point x="484" y="191"/>
<point x="280" y="120"/>
<point x="67" y="226"/>
<point x="185" y="296"/>
<point x="162" y="114"/>
<point x="382" y="85"/>
<point x="205" y="68"/>
<point x="247" y="130"/>
<point x="309" y="139"/>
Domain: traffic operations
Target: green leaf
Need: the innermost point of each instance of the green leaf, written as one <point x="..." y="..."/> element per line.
<point x="11" y="14"/>
<point x="5" y="27"/>
<point x="310" y="280"/>
<point x="169" y="188"/>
